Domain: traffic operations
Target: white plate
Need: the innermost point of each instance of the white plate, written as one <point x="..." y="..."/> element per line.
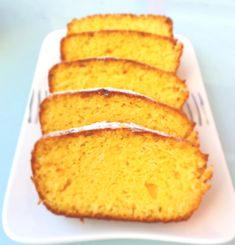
<point x="27" y="222"/>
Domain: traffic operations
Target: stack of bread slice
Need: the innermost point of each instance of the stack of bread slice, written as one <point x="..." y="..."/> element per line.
<point x="116" y="144"/>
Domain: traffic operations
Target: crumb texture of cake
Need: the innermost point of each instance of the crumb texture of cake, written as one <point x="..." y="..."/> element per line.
<point x="120" y="174"/>
<point x="72" y="110"/>
<point x="161" y="52"/>
<point x="155" y="24"/>
<point x="162" y="86"/>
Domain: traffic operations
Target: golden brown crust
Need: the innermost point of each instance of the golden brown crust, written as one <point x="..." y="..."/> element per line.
<point x="122" y="218"/>
<point x="180" y="47"/>
<point x="194" y="137"/>
<point x="132" y="16"/>
<point x="207" y="176"/>
<point x="109" y="93"/>
<point x="124" y="32"/>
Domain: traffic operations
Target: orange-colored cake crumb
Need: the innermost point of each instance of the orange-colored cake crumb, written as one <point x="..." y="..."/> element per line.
<point x="161" y="52"/>
<point x="122" y="174"/>
<point x="156" y="24"/>
<point x="162" y="86"/>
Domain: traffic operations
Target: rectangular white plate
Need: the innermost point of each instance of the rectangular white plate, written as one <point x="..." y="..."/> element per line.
<point x="27" y="222"/>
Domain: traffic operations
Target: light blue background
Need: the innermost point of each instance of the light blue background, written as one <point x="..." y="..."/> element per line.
<point x="209" y="24"/>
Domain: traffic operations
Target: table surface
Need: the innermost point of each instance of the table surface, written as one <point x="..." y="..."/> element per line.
<point x="210" y="25"/>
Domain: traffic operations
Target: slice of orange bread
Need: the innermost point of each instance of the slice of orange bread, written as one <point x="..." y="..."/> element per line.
<point x="155" y="24"/>
<point x="72" y="110"/>
<point x="122" y="173"/>
<point x="162" y="86"/>
<point x="161" y="52"/>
